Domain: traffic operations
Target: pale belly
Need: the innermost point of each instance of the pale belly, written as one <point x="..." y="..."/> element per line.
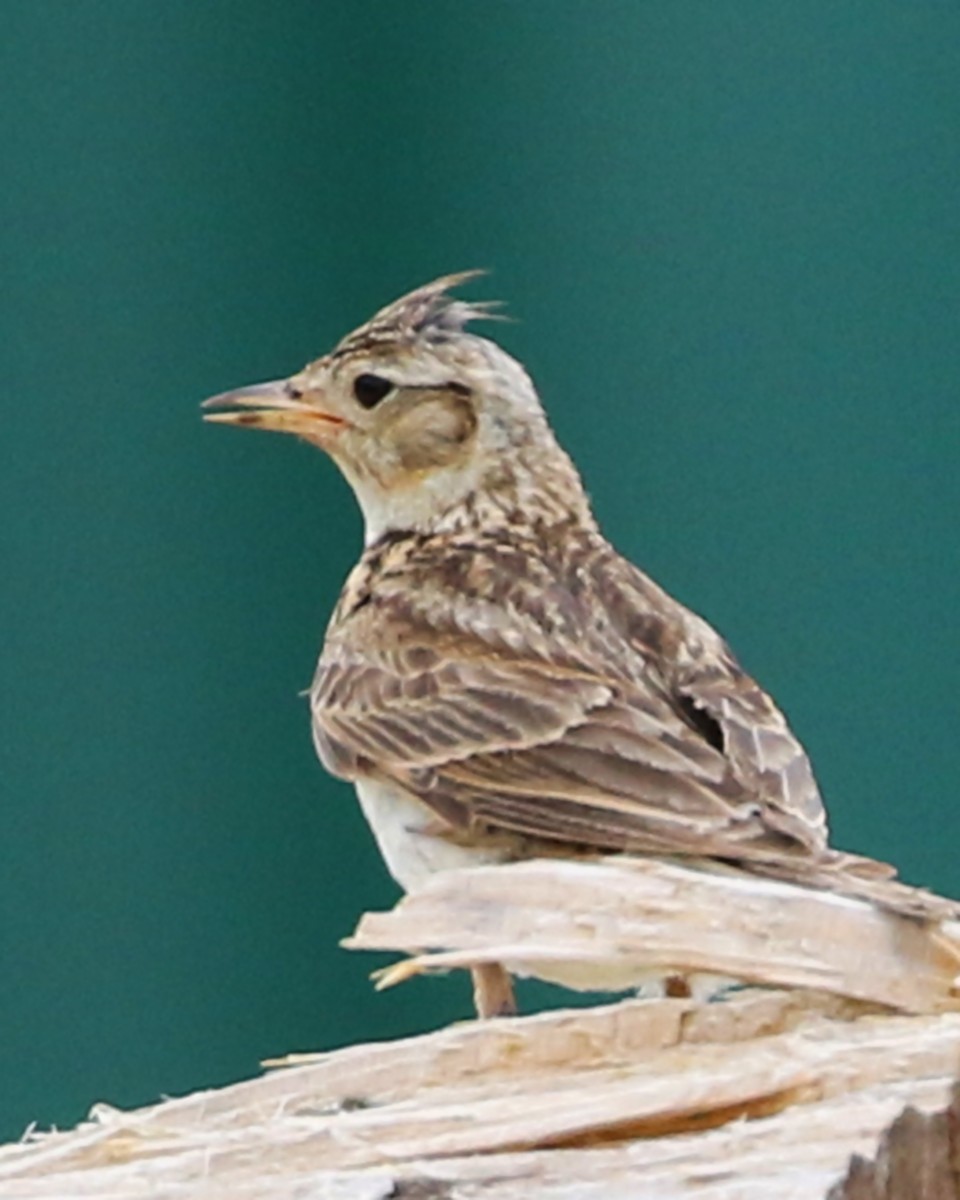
<point x="399" y="822"/>
<point x="412" y="855"/>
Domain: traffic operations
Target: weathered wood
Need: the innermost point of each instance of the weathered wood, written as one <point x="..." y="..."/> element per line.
<point x="766" y="1093"/>
<point x="613" y="923"/>
<point x="650" y="1094"/>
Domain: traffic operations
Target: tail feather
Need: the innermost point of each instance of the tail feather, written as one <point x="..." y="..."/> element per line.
<point x="865" y="879"/>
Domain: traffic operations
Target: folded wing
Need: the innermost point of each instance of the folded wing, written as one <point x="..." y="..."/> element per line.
<point x="503" y="740"/>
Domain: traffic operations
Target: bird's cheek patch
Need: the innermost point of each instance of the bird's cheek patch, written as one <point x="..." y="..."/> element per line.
<point x="436" y="432"/>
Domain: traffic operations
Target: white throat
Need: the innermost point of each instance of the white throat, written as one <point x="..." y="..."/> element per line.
<point x="419" y="503"/>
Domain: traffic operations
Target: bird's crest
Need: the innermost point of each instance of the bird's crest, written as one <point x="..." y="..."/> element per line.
<point x="428" y="312"/>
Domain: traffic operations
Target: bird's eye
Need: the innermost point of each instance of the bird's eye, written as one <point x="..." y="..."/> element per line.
<point x="371" y="389"/>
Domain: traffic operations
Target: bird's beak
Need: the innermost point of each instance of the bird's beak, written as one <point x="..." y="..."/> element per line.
<point x="275" y="405"/>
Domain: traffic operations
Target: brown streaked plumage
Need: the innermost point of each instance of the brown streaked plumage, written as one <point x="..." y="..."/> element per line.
<point x="496" y="679"/>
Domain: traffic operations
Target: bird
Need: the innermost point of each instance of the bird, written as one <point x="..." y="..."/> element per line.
<point x="497" y="681"/>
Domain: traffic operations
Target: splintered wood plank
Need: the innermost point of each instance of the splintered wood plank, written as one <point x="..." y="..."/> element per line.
<point x="766" y="1093"/>
<point x="795" y="1155"/>
<point x="644" y="1095"/>
<point x="613" y="922"/>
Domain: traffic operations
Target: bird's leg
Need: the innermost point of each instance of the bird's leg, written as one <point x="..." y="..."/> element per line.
<point x="493" y="991"/>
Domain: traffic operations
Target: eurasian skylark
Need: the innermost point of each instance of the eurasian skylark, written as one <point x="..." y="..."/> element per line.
<point x="496" y="680"/>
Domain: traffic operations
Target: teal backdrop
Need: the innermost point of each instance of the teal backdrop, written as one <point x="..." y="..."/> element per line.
<point x="730" y="232"/>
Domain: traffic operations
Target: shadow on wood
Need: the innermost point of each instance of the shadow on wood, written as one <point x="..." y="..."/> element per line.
<point x="918" y="1159"/>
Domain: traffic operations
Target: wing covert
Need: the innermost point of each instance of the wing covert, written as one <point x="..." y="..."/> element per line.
<point x="500" y="741"/>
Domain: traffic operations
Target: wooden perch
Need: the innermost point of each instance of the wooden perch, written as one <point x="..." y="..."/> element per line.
<point x="605" y="924"/>
<point x="765" y="1094"/>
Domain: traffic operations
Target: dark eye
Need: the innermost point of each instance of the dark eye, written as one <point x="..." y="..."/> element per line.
<point x="371" y="389"/>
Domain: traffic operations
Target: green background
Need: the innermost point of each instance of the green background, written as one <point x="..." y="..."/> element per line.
<point x="731" y="232"/>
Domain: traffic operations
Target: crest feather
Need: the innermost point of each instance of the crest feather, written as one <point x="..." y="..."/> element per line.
<point x="428" y="312"/>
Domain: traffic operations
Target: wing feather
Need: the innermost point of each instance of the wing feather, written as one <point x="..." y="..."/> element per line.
<point x="504" y="741"/>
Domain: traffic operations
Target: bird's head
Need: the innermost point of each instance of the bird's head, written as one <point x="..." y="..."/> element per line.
<point x="421" y="416"/>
